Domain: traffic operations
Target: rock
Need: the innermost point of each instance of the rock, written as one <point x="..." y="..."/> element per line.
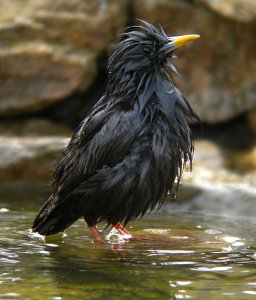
<point x="48" y="49"/>
<point x="29" y="150"/>
<point x="33" y="128"/>
<point x="219" y="70"/>
<point x="212" y="165"/>
<point x="251" y="117"/>
<point x="240" y="10"/>
<point x="228" y="201"/>
<point x="29" y="159"/>
<point x="220" y="181"/>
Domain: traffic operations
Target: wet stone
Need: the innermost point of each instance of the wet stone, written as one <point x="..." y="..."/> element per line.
<point x="29" y="149"/>
<point x="49" y="49"/>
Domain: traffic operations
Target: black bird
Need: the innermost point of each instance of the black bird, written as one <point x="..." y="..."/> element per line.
<point x="132" y="146"/>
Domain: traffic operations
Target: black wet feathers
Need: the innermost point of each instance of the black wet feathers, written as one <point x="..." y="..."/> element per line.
<point x="132" y="146"/>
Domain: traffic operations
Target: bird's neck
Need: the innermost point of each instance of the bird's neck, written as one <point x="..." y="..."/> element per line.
<point x="138" y="85"/>
<point x="123" y="85"/>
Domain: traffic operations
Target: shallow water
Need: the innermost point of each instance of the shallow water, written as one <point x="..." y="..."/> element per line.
<point x="188" y="255"/>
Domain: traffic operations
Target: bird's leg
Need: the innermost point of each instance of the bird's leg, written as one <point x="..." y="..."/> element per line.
<point x="96" y="234"/>
<point x="121" y="229"/>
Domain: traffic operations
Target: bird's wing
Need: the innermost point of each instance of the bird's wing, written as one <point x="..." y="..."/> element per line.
<point x="102" y="140"/>
<point x="91" y="124"/>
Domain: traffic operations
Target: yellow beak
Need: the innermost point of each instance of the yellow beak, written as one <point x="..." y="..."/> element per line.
<point x="184" y="39"/>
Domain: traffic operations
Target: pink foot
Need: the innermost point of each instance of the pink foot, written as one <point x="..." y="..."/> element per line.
<point x="96" y="234"/>
<point x="121" y="229"/>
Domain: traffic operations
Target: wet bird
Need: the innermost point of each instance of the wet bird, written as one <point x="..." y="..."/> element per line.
<point x="133" y="144"/>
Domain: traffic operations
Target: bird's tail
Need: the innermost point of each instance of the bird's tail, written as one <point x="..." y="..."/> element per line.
<point x="55" y="216"/>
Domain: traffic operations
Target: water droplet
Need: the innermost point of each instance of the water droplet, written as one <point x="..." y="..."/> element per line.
<point x="114" y="237"/>
<point x="35" y="235"/>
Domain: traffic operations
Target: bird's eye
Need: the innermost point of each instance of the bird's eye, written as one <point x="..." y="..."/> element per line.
<point x="146" y="50"/>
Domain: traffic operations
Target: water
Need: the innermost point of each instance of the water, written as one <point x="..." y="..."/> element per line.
<point x="188" y="255"/>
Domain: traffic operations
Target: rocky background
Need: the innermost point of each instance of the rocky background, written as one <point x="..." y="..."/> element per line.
<point x="52" y="69"/>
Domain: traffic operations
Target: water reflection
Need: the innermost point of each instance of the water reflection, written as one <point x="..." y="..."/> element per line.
<point x="178" y="255"/>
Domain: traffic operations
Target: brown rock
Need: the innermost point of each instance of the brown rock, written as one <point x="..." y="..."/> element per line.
<point x="29" y="149"/>
<point x="214" y="166"/>
<point x="219" y="70"/>
<point x="48" y="49"/>
<point x="223" y="181"/>
<point x="33" y="128"/>
<point x="29" y="159"/>
<point x="251" y="117"/>
<point x="240" y="10"/>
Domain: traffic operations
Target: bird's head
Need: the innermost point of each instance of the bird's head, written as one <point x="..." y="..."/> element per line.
<point x="146" y="48"/>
